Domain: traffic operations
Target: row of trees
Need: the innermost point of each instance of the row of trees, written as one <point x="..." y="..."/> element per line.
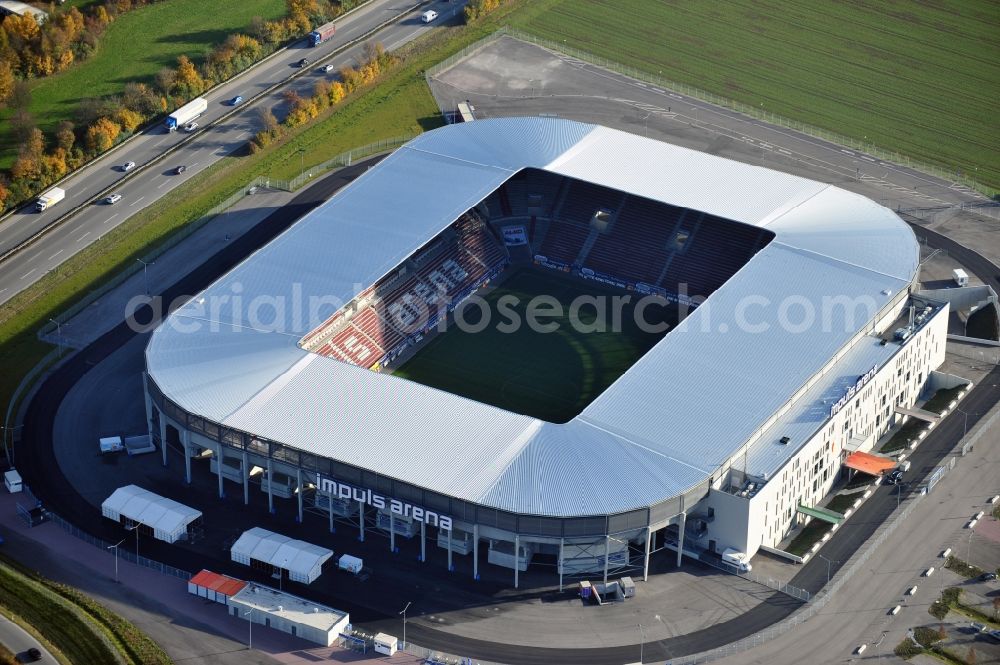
<point x="476" y="9"/>
<point x="102" y="123"/>
<point x="29" y="50"/>
<point x="373" y="64"/>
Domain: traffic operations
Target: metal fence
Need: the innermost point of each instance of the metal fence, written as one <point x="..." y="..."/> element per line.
<point x="343" y="159"/>
<point x="697" y="93"/>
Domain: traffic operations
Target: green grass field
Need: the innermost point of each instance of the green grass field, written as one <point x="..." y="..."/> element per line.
<point x="548" y="375"/>
<point x="918" y="78"/>
<point x="134" y="48"/>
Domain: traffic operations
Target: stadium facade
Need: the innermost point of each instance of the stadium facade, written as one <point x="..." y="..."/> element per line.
<point x="726" y="434"/>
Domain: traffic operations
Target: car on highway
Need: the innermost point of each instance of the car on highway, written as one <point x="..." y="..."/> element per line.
<point x="191" y="126"/>
<point x="180" y="169"/>
<point x="113" y="199"/>
<point x="32" y="655"/>
<point x="987" y="577"/>
<point x="428" y="16"/>
<point x="128" y="166"/>
<point x="995" y="635"/>
<point x="895" y="477"/>
<point x="236" y="101"/>
<point x="327" y="69"/>
<point x="303" y="62"/>
<point x="977" y="627"/>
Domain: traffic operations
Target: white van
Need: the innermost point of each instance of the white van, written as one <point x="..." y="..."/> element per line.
<point x="12" y="479"/>
<point x="428" y="16"/>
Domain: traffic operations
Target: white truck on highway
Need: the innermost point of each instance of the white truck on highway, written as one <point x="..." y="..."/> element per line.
<point x="48" y="199"/>
<point x="186" y="113"/>
<point x="737" y="558"/>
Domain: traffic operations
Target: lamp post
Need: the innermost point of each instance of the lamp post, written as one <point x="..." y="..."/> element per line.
<point x="302" y="156"/>
<point x="115" y="548"/>
<point x="135" y="527"/>
<point x="828" y="563"/>
<point x="403" y="612"/>
<point x="145" y="276"/>
<point x="250" y="641"/>
<point x="58" y="335"/>
<point x="642" y="643"/>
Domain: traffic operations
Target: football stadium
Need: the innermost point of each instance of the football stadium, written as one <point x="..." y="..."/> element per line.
<point x="536" y="342"/>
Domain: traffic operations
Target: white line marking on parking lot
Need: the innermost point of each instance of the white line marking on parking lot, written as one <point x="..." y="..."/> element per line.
<point x="110" y="218"/>
<point x="28" y="273"/>
<point x="55" y="255"/>
<point x="83" y="236"/>
<point x="136" y="201"/>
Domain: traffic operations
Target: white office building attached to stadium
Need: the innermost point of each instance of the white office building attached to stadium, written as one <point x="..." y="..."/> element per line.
<point x="724" y="435"/>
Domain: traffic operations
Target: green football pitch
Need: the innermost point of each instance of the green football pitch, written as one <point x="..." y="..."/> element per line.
<point x="547" y="375"/>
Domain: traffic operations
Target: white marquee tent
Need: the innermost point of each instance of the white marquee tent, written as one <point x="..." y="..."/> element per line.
<point x="168" y="519"/>
<point x="303" y="561"/>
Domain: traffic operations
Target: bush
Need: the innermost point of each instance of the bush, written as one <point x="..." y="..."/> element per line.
<point x="949" y="598"/>
<point x="907" y="649"/>
<point x="926" y="636"/>
<point x="962" y="568"/>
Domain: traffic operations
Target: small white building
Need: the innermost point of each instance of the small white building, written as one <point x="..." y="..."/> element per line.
<point x="12" y="480"/>
<point x="266" y="550"/>
<point x="165" y="518"/>
<point x="290" y="614"/>
<point x="215" y="587"/>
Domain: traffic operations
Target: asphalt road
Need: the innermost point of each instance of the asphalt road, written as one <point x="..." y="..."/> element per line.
<point x="19" y="640"/>
<point x="143" y="186"/>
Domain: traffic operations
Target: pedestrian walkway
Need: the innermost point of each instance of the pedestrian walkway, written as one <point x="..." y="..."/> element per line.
<point x="190" y="629"/>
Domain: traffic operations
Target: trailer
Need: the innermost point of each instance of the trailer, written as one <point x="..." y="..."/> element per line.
<point x="736" y="558"/>
<point x="960" y="276"/>
<point x="322" y="34"/>
<point x="186" y="113"/>
<point x="351" y="564"/>
<point x="49" y="198"/>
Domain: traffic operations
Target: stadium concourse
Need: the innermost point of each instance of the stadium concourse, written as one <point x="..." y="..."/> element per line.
<point x="723" y="436"/>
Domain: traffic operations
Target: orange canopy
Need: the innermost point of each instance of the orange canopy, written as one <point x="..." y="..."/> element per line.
<point x="874" y="465"/>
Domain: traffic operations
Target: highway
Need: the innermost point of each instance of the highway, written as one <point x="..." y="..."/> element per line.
<point x="152" y="179"/>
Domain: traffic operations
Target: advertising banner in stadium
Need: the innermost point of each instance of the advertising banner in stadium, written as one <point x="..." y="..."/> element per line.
<point x="514" y="235"/>
<point x="604" y="279"/>
<point x="341" y="490"/>
<point x="542" y="260"/>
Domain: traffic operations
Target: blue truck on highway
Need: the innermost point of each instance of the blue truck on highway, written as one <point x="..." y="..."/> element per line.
<point x="186" y="113"/>
<point x="321" y="34"/>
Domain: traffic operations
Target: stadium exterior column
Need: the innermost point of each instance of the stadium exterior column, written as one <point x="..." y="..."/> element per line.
<point x="559" y="563"/>
<point x="330" y="512"/>
<point x="475" y="551"/>
<point x="361" y="521"/>
<point x="392" y="534"/>
<point x="645" y="561"/>
<point x="163" y="438"/>
<point x="218" y="451"/>
<point x="423" y="543"/>
<point x="246" y="479"/>
<point x="149" y="400"/>
<point x="517" y="558"/>
<point x="680" y="539"/>
<point x="270" y="494"/>
<point x="186" y="443"/>
<point x="607" y="555"/>
<point x="298" y="480"/>
<point x="450" y="566"/>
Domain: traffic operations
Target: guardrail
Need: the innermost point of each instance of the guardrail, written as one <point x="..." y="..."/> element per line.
<point x="724" y="102"/>
<point x="59" y="221"/>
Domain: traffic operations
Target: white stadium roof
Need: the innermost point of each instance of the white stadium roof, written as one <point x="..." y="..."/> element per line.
<point x="672" y="419"/>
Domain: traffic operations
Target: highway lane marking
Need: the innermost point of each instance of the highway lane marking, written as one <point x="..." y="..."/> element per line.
<point x="136" y="201"/>
<point x="55" y="255"/>
<point x="27" y="274"/>
<point x="83" y="236"/>
<point x="110" y="218"/>
<point x="164" y="183"/>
